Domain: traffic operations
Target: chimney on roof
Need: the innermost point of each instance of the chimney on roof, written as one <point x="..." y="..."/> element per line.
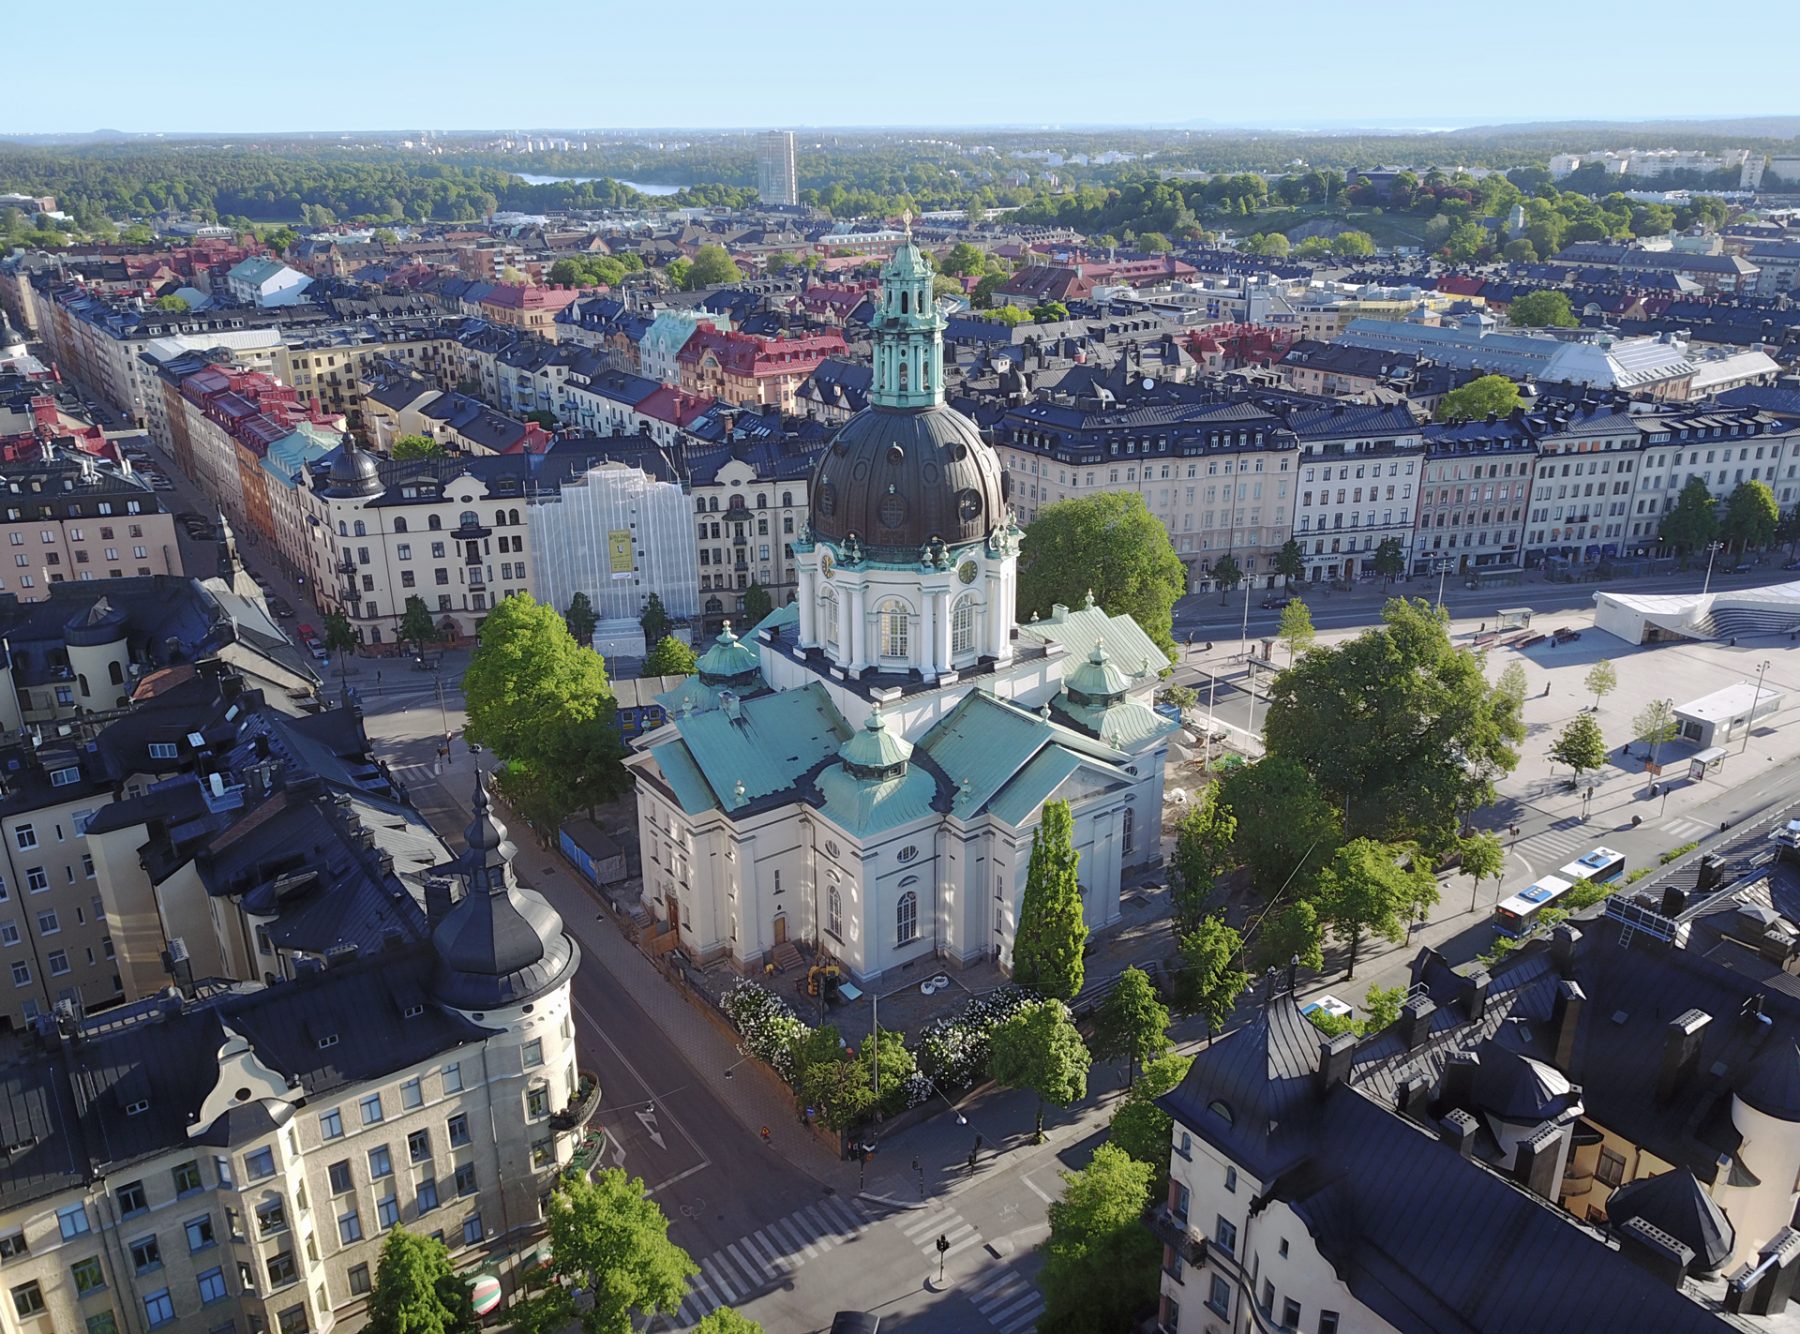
<point x="438" y="900"/>
<point x="1475" y="987"/>
<point x="1655" y="1251"/>
<point x="1336" y="1055"/>
<point x="1457" y="1129"/>
<point x="1456" y="1085"/>
<point x="1766" y="1287"/>
<point x="1565" y="1023"/>
<point x="1415" y="1020"/>
<point x="1681" y="1052"/>
<point x="179" y="966"/>
<point x="1562" y="949"/>
<point x="1413" y="1097"/>
<point x="1538" y="1164"/>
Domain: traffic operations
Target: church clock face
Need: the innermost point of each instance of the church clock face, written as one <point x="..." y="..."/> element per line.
<point x="966" y="572"/>
<point x="826" y="565"/>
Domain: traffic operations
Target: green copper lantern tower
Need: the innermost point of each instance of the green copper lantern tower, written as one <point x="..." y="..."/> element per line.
<point x="908" y="333"/>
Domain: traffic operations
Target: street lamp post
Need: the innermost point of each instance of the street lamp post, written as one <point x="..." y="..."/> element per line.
<point x="1750" y="722"/>
<point x="1246" y="627"/>
<point x="1712" y="554"/>
<point x="1443" y="569"/>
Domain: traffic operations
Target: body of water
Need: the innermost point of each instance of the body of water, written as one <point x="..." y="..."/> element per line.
<point x="642" y="187"/>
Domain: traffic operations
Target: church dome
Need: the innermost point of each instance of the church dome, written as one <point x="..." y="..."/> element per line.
<point x="729" y="661"/>
<point x="1097" y="681"/>
<point x="897" y="478"/>
<point x="354" y="472"/>
<point x="875" y="752"/>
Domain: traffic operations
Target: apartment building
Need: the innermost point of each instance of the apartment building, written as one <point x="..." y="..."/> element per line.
<point x="233" y="1157"/>
<point x="750" y="370"/>
<point x="71" y="517"/>
<point x="775" y="180"/>
<point x="1220" y="476"/>
<point x="1723" y="447"/>
<point x="331" y="370"/>
<point x="528" y="307"/>
<point x="1475" y="485"/>
<point x="1359" y="469"/>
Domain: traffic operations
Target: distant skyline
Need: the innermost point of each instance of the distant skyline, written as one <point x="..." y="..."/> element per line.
<point x="460" y="65"/>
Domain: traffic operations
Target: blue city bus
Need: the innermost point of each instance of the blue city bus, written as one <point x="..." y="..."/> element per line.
<point x="1518" y="916"/>
<point x="1602" y="866"/>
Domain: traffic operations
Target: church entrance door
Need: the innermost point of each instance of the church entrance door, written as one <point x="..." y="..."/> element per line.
<point x="781" y="928"/>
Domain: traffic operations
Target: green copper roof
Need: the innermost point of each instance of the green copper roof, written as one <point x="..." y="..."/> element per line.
<point x="1097" y="681"/>
<point x="1119" y="722"/>
<point x="908" y="263"/>
<point x="728" y="659"/>
<point x="684" y="777"/>
<point x="875" y="750"/>
<point x="1079" y="629"/>
<point x="787" y="614"/>
<point x="984" y="742"/>
<point x="860" y="806"/>
<point x="767" y="746"/>
<point x="1020" y="800"/>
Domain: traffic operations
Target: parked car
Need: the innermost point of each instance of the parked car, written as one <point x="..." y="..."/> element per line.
<point x="1276" y="601"/>
<point x="281" y="608"/>
<point x="1743" y="567"/>
<point x="306" y="632"/>
<point x="1331" y="1005"/>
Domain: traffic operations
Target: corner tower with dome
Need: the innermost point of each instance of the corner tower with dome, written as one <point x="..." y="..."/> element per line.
<point x="862" y="772"/>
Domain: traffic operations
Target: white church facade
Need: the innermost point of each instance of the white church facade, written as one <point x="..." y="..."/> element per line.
<point x="866" y="770"/>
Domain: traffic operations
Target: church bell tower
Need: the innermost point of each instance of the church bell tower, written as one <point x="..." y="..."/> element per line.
<point x="908" y="333"/>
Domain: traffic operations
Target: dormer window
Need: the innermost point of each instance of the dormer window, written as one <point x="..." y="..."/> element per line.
<point x="1221" y="1109"/>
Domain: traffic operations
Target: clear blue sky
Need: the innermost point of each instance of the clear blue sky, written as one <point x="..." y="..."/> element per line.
<point x="478" y="64"/>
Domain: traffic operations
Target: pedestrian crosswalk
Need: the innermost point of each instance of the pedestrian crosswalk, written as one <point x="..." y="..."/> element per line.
<point x="1565" y="839"/>
<point x="923" y="1227"/>
<point x="735" y="1273"/>
<point x="1010" y="1301"/>
<point x="1684" y="830"/>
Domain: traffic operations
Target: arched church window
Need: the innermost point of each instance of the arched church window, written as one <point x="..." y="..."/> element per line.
<point x="828" y="613"/>
<point x="962" y="626"/>
<point x="903" y="305"/>
<point x="469" y="519"/>
<point x="834" y="912"/>
<point x="903" y="374"/>
<point x="906" y="918"/>
<point x="1129" y="825"/>
<point x="894" y="629"/>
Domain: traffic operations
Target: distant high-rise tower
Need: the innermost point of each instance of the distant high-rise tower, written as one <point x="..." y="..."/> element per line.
<point x="775" y="167"/>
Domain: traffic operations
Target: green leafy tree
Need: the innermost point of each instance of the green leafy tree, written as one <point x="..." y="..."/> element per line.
<point x="1388" y="559"/>
<point x="1656" y="724"/>
<point x="583" y="620"/>
<point x="833" y="1084"/>
<point x="1109" y="544"/>
<point x="1520" y="251"/>
<point x="1131" y="1023"/>
<point x="1049" y="312"/>
<point x="177" y="304"/>
<point x="985" y="287"/>
<point x="1154" y="243"/>
<point x="1381" y="1006"/>
<point x="679" y="272"/>
<point x="1373" y="887"/>
<point x="339" y="638"/>
<point x="1602" y="679"/>
<point x="1465" y="243"/>
<point x="669" y="657"/>
<point x="1296" y="629"/>
<point x="1290" y="561"/>
<point x="1482" y="859"/>
<point x="1181" y="698"/>
<point x="1352" y="245"/>
<point x="542" y="703"/>
<point x="757" y="604"/>
<point x="724" y="1320"/>
<point x="1209" y="977"/>
<point x="1100" y="1265"/>
<point x="1542" y="310"/>
<point x="1485" y="396"/>
<point x="887" y="1068"/>
<point x="962" y="261"/>
<point x="712" y="267"/>
<point x="1271" y="245"/>
<point x="1285" y="853"/>
<point x="1580" y="745"/>
<point x="654" y="621"/>
<point x="416" y="626"/>
<point x="1227" y="574"/>
<point x="1751" y="516"/>
<point x="1788" y="530"/>
<point x="1288" y="932"/>
<point x="417" y="447"/>
<point x="1204" y="850"/>
<point x="1693" y="521"/>
<point x="1141" y="1128"/>
<point x="1052" y="930"/>
<point x="417" y="1290"/>
<point x="1011" y="316"/>
<point x="1512" y="683"/>
<point x="1040" y="1050"/>
<point x="1399" y="726"/>
<point x="608" y="1236"/>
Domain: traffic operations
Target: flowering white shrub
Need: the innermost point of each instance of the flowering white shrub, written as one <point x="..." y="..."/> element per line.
<point x="953" y="1052"/>
<point x="770" y="1028"/>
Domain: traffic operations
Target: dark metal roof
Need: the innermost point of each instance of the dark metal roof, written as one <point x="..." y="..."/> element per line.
<point x="897" y="479"/>
<point x="1676" y="1203"/>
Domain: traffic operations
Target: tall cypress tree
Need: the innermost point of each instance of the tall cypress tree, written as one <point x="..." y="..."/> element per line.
<point x="1052" y="930"/>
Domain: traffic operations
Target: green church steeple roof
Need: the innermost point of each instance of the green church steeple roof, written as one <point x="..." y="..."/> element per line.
<point x="908" y="333"/>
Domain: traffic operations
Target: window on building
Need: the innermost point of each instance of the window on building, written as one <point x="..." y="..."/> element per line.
<point x="331" y="1124"/>
<point x="132" y="1199"/>
<point x="418" y="1145"/>
<point x="12" y="1246"/>
<point x="199" y="1232"/>
<point x="187" y="1178"/>
<point x="472" y="1230"/>
<point x="211" y="1285"/>
<point x="87" y="1275"/>
<point x="534" y="1053"/>
<point x="412" y="1094"/>
<point x="893" y="621"/>
<point x="962" y="626"/>
<point x="906" y="918"/>
<point x="834" y="912"/>
<point x="72" y="1222"/>
<point x="349" y="1227"/>
<point x="146" y="1253"/>
<point x="281" y="1269"/>
<point x="271" y="1217"/>
<point x="339" y="1175"/>
<point x="453" y="1078"/>
<point x="1328" y="1322"/>
<point x="1218" y="1297"/>
<point x="427" y="1195"/>
<point x="1610" y="1170"/>
<point x="458" y="1128"/>
<point x="359" y="1280"/>
<point x="371" y="1109"/>
<point x="1225" y="1235"/>
<point x="465" y="1179"/>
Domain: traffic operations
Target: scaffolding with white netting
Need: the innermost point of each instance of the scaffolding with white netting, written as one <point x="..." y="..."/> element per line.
<point x="618" y="535"/>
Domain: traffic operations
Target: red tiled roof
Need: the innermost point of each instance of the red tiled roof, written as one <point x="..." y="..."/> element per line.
<point x="750" y="355"/>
